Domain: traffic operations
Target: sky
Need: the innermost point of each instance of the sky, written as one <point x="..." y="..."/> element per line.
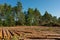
<point x="52" y="6"/>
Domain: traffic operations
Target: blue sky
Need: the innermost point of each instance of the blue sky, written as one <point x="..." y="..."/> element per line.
<point x="52" y="6"/>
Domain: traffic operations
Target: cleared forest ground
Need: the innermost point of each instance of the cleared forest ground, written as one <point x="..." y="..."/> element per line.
<point x="30" y="32"/>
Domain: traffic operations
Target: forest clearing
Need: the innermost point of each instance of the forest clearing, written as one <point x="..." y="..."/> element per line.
<point x="19" y="20"/>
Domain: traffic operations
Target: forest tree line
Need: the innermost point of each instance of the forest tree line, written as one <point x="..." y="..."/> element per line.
<point x="14" y="16"/>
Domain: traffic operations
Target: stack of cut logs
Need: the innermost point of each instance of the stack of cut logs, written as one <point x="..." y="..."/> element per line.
<point x="26" y="34"/>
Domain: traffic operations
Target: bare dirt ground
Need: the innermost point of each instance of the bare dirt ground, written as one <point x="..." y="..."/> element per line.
<point x="30" y="32"/>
